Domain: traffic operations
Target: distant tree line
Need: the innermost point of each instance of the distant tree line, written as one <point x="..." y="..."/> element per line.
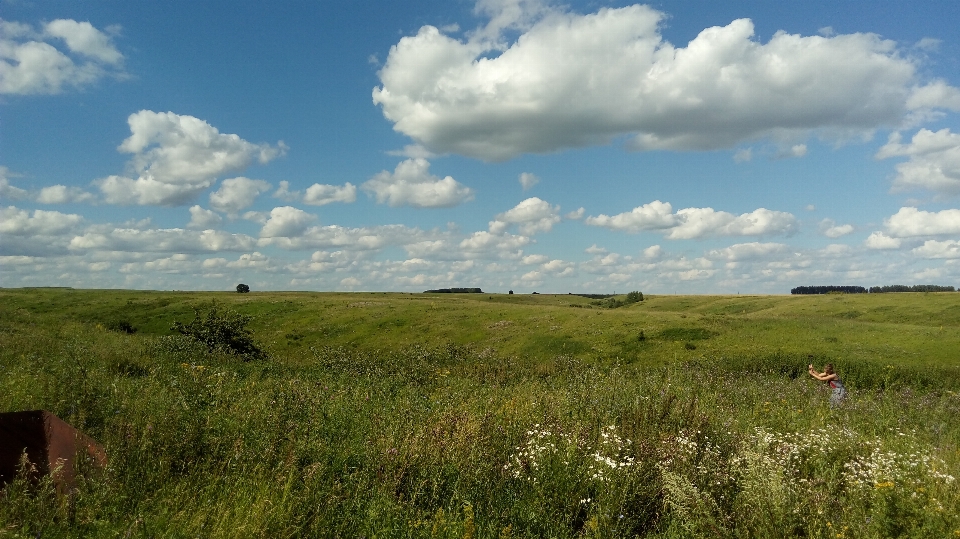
<point x="873" y="289"/>
<point x="915" y="288"/>
<point x="455" y="291"/>
<point x="828" y="289"/>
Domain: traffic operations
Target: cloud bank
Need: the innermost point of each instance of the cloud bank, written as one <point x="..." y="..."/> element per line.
<point x="697" y="223"/>
<point x="572" y="80"/>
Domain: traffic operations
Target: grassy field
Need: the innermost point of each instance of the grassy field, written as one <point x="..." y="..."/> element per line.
<point x="483" y="415"/>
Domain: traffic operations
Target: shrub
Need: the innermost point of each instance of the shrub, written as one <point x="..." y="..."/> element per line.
<point x="223" y="331"/>
<point x="242" y="288"/>
<point x="123" y="326"/>
<point x="634" y="297"/>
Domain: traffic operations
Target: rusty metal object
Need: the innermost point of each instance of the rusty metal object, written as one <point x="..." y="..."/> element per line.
<point x="51" y="445"/>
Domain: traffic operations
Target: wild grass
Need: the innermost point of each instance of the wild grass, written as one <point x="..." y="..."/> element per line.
<point x="425" y="416"/>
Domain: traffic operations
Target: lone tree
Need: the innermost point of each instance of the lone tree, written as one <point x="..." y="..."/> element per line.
<point x="242" y="288"/>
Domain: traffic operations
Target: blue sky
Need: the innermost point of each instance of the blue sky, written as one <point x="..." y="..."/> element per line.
<point x="671" y="147"/>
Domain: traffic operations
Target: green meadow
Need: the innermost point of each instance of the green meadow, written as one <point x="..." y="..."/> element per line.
<point x="491" y="415"/>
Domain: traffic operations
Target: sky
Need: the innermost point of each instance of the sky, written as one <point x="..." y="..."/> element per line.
<point x="675" y="147"/>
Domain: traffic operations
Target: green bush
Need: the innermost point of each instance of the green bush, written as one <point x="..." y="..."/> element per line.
<point x="634" y="297"/>
<point x="222" y="331"/>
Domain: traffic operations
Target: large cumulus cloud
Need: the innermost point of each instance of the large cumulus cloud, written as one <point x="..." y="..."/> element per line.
<point x="573" y="80"/>
<point x="175" y="157"/>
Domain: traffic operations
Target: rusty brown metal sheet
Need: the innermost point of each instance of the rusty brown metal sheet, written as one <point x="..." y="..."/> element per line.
<point x="50" y="443"/>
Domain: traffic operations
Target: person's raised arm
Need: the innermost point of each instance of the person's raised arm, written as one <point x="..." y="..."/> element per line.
<point x="823" y="377"/>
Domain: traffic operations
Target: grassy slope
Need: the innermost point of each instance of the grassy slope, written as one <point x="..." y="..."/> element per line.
<point x="898" y="329"/>
<point x="398" y="434"/>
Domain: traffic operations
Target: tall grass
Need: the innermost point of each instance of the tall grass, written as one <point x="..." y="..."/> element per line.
<point x="459" y="441"/>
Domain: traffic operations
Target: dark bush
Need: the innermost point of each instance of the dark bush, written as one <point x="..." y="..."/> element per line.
<point x="242" y="288"/>
<point x="634" y="297"/>
<point x="123" y="326"/>
<point x="222" y="331"/>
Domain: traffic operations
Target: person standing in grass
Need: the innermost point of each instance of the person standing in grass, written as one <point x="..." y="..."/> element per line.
<point x="828" y="375"/>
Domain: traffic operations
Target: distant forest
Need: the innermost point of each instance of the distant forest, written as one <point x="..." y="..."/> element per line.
<point x="915" y="288"/>
<point x="828" y="289"/>
<point x="873" y="289"/>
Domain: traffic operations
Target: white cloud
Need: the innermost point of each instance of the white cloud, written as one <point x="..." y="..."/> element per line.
<point x="694" y="223"/>
<point x="655" y="215"/>
<point x="797" y="150"/>
<point x="532" y="215"/>
<point x="930" y="44"/>
<point x="411" y="184"/>
<point x="29" y="64"/>
<point x="528" y="180"/>
<point x="236" y="194"/>
<point x="484" y="242"/>
<point x="910" y="222"/>
<point x="7" y="190"/>
<point x="559" y="267"/>
<point x="609" y="259"/>
<point x="82" y="38"/>
<point x="413" y="151"/>
<point x="748" y="251"/>
<point x="259" y="217"/>
<point x="653" y="252"/>
<point x="320" y="195"/>
<point x="252" y="260"/>
<point x="285" y="194"/>
<point x="830" y="229"/>
<point x="171" y="240"/>
<point x="937" y="94"/>
<point x="534" y="259"/>
<point x="743" y="155"/>
<point x="573" y="80"/>
<point x="176" y="157"/>
<point x="594" y="250"/>
<point x="533" y="277"/>
<point x="203" y="219"/>
<point x="576" y="214"/>
<point x="61" y="194"/>
<point x="147" y="191"/>
<point x="705" y="222"/>
<point x="810" y="207"/>
<point x="286" y="222"/>
<point x="934" y="162"/>
<point x="938" y="249"/>
<point x="17" y="222"/>
<point x="358" y="239"/>
<point x="880" y="241"/>
<point x="837" y="231"/>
